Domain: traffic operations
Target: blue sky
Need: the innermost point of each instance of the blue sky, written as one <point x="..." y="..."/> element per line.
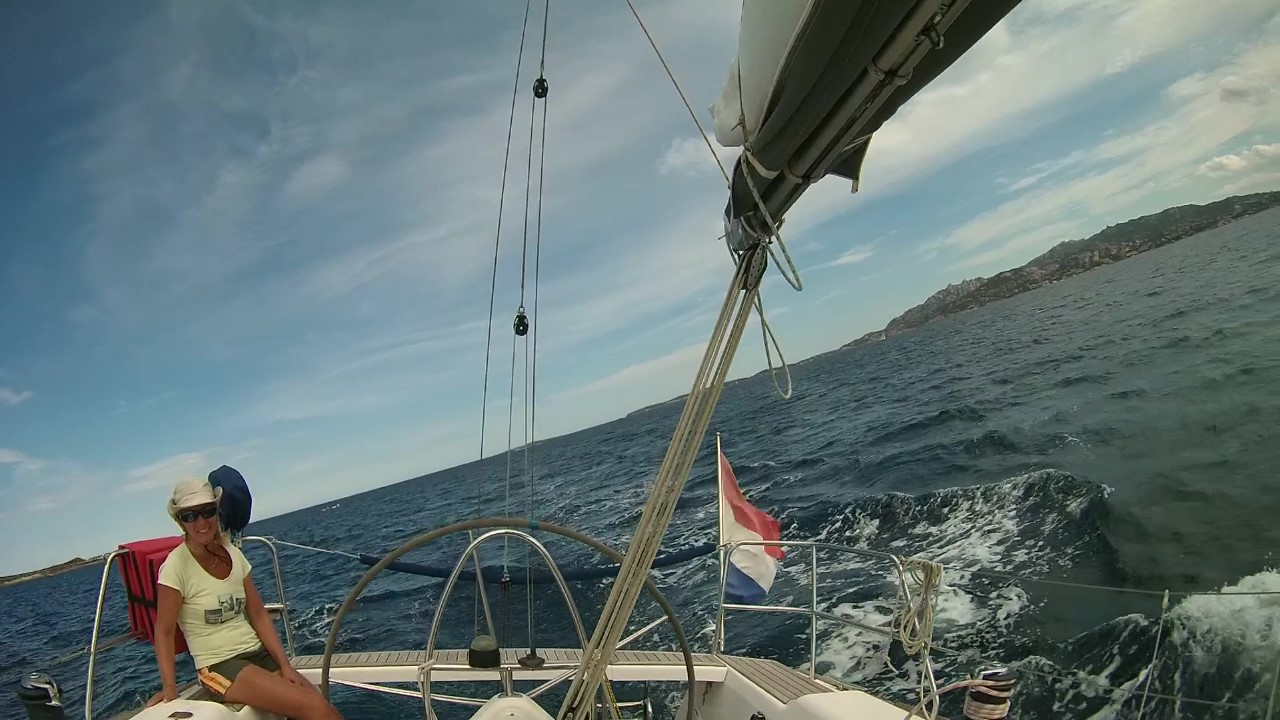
<point x="261" y="233"/>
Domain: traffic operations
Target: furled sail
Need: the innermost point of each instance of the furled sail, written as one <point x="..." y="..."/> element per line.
<point x="814" y="79"/>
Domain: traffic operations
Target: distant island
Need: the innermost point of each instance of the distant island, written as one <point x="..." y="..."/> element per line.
<point x="1073" y="257"/>
<point x="68" y="566"/>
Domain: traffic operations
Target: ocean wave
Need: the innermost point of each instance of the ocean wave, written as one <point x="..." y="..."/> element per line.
<point x="1216" y="647"/>
<point x="1130" y="393"/>
<point x="1082" y="379"/>
<point x="958" y="414"/>
<point x="1212" y="648"/>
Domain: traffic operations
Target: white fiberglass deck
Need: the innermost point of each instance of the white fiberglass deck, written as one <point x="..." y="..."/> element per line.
<point x="781" y="682"/>
<point x="402" y="666"/>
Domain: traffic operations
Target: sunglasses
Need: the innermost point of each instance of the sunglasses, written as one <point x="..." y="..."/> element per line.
<point x="190" y="516"/>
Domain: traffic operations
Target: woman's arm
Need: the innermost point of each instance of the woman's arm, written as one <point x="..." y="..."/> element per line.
<point x="168" y="602"/>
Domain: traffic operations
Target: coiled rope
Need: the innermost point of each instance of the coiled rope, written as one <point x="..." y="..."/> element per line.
<point x="974" y="709"/>
<point x="913" y="626"/>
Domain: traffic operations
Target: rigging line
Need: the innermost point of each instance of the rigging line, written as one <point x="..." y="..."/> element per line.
<point x="665" y="491"/>
<point x="694" y="116"/>
<point x="481" y="595"/>
<point x="528" y="483"/>
<point x="1089" y="681"/>
<point x="1155" y="653"/>
<point x="497" y="238"/>
<point x="1275" y="689"/>
<point x="528" y="186"/>
<point x="524" y="262"/>
<point x="315" y="549"/>
<point x="1088" y="586"/>
<point x="532" y="380"/>
<point x="767" y="335"/>
<point x="530" y="406"/>
<point x="537" y="266"/>
<point x="511" y="413"/>
<point x="527" y="478"/>
<point x="542" y="61"/>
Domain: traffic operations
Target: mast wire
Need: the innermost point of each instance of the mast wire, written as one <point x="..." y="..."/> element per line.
<point x="493" y="290"/>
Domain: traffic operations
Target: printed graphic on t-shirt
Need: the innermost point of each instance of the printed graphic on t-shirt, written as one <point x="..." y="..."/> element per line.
<point x="229" y="608"/>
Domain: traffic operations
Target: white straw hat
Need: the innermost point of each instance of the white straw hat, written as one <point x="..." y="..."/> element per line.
<point x="192" y="492"/>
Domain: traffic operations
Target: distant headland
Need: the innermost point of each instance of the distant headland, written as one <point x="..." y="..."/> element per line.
<point x="68" y="566"/>
<point x="1076" y="256"/>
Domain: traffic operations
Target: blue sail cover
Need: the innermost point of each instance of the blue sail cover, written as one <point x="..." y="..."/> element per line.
<point x="237" y="501"/>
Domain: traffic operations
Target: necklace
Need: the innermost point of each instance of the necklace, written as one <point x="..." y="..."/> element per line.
<point x="216" y="558"/>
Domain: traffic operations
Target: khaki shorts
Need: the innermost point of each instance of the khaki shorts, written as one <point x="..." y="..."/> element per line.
<point x="217" y="678"/>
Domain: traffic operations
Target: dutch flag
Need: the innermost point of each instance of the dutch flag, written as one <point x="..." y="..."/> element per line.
<point x="751" y="567"/>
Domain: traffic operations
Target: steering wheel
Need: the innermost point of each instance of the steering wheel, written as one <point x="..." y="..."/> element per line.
<point x="486" y="523"/>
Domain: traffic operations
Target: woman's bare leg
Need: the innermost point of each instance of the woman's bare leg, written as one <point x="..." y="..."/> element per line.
<point x="268" y="691"/>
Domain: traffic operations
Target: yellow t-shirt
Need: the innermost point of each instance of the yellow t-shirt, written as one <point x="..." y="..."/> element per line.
<point x="212" y="616"/>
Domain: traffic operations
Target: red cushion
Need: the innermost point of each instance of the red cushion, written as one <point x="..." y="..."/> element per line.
<point x="140" y="568"/>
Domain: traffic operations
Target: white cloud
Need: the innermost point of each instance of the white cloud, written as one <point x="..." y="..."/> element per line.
<point x="1042" y="170"/>
<point x="853" y="256"/>
<point x="1252" y="169"/>
<point x="678" y="360"/>
<point x="166" y="471"/>
<point x="833" y="295"/>
<point x="1028" y="71"/>
<point x="690" y="156"/>
<point x="314" y="178"/>
<point x="1038" y="238"/>
<point x="410" y="192"/>
<point x="1259" y="158"/>
<point x="21" y="460"/>
<point x="45" y="482"/>
<point x="13" y="398"/>
<point x="1130" y="168"/>
<point x="124" y="406"/>
<point x="642" y="383"/>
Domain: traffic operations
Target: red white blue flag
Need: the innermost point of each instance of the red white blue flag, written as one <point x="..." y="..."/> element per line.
<point x="751" y="568"/>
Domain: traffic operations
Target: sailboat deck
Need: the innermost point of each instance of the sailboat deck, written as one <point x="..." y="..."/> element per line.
<point x="777" y="679"/>
<point x="451" y="665"/>
<point x="509" y="656"/>
<point x="629" y="665"/>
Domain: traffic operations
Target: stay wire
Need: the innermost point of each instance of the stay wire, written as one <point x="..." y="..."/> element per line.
<point x="528" y="187"/>
<point x="497" y="239"/>
<point x="542" y="60"/>
<point x="531" y="377"/>
<point x="493" y="283"/>
<point x="694" y="116"/>
<point x="511" y="413"/>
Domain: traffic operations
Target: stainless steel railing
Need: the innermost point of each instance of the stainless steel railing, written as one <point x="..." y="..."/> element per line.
<point x="282" y="608"/>
<point x="812" y="611"/>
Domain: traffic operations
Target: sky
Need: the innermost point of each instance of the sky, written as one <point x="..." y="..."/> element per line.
<point x="262" y="234"/>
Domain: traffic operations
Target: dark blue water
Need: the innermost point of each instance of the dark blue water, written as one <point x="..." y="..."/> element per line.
<point x="1117" y="428"/>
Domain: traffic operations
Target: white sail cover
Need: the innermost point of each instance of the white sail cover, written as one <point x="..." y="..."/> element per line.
<point x="813" y="80"/>
<point x="766" y="32"/>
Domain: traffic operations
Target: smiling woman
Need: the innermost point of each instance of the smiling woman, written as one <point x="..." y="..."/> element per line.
<point x="205" y="589"/>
